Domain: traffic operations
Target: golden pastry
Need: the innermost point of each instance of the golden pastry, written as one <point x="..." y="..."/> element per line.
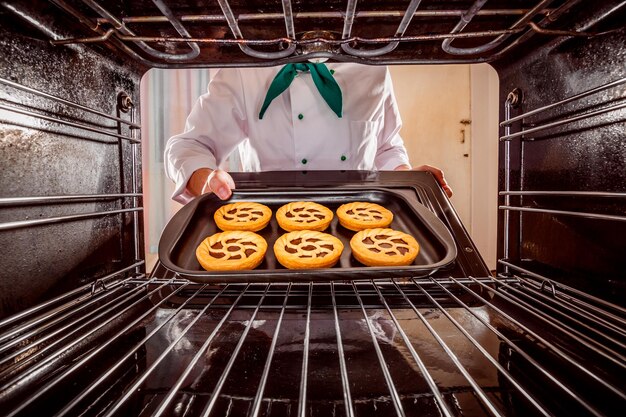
<point x="243" y="216"/>
<point x="384" y="247"/>
<point x="360" y="215"/>
<point x="231" y="250"/>
<point x="304" y="249"/>
<point x="304" y="215"/>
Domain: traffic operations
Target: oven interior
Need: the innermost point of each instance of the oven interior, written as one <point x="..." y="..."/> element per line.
<point x="84" y="330"/>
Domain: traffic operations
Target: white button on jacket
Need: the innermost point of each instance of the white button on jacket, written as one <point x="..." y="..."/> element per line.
<point x="299" y="131"/>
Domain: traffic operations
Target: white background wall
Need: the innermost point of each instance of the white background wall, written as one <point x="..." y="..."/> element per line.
<point x="484" y="171"/>
<point x="450" y="120"/>
<point x="434" y="101"/>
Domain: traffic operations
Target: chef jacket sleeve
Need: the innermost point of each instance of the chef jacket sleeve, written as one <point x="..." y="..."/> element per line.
<point x="391" y="152"/>
<point x="216" y="125"/>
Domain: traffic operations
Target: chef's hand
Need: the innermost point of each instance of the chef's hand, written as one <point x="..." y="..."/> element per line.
<point x="205" y="180"/>
<point x="433" y="170"/>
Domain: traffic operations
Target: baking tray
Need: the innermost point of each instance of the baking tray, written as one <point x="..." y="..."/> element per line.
<point x="194" y="222"/>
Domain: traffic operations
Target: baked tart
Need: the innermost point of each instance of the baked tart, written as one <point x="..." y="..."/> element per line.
<point x="243" y="216"/>
<point x="384" y="247"/>
<point x="304" y="215"/>
<point x="304" y="249"/>
<point x="361" y="215"/>
<point x="231" y="250"/>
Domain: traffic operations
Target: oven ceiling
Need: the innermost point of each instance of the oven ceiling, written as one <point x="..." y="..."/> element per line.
<point x="232" y="32"/>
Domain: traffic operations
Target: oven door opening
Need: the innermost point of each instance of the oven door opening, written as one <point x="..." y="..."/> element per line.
<point x="527" y="105"/>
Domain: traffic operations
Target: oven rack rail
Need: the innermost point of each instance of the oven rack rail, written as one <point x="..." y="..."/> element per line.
<point x="62" y="119"/>
<point x="72" y="115"/>
<point x="115" y="30"/>
<point x="566" y="326"/>
<point x="614" y="108"/>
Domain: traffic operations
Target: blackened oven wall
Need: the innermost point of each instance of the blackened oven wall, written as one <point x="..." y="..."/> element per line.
<point x="44" y="158"/>
<point x="588" y="155"/>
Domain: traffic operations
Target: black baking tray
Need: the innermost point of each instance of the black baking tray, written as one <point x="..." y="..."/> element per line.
<point x="194" y="222"/>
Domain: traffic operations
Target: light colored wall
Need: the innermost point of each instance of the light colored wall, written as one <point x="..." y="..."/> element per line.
<point x="484" y="149"/>
<point x="435" y="103"/>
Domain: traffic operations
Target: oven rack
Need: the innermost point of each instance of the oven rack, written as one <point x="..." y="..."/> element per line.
<point x="513" y="328"/>
<point x="504" y="30"/>
<point x="72" y="120"/>
<point x="603" y="104"/>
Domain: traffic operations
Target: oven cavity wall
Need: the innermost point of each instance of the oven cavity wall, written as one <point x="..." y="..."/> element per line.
<point x="70" y="189"/>
<point x="563" y="183"/>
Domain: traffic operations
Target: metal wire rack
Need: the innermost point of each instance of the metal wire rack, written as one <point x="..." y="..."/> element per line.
<point x="486" y="34"/>
<point x="519" y="344"/>
<point x="67" y="120"/>
<point x="13" y="108"/>
<point x="608" y="107"/>
<point x="476" y="346"/>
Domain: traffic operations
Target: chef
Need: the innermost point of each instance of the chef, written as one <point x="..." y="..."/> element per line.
<point x="301" y="116"/>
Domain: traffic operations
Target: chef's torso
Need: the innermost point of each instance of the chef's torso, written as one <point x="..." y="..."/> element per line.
<point x="300" y="131"/>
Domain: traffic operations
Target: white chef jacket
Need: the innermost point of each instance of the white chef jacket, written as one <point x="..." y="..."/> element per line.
<point x="299" y="131"/>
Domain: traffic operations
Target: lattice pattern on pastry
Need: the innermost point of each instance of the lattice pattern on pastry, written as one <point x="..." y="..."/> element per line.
<point x="307" y="249"/>
<point x="383" y="247"/>
<point x="243" y="216"/>
<point x="362" y="215"/>
<point x="304" y="215"/>
<point x="231" y="250"/>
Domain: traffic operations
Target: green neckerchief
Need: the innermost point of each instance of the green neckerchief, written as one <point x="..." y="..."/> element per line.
<point x="323" y="79"/>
